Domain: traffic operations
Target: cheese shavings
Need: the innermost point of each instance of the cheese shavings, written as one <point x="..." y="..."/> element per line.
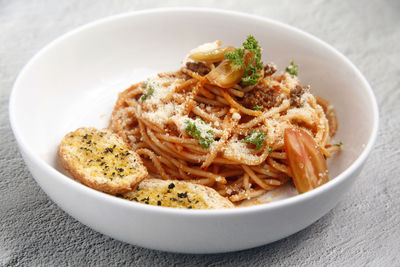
<point x="201" y="131"/>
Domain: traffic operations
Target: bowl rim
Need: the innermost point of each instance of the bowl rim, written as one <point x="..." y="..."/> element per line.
<point x="23" y="146"/>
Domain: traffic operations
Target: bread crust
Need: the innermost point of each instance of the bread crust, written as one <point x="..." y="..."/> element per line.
<point x="84" y="152"/>
<point x="177" y="194"/>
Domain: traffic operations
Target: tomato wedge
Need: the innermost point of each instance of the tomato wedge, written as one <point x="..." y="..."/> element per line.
<point x="211" y="56"/>
<point x="306" y="161"/>
<point x="225" y="75"/>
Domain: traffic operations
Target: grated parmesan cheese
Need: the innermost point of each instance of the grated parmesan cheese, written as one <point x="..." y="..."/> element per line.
<point x="288" y="83"/>
<point x="162" y="88"/>
<point x="161" y="114"/>
<point x="236" y="116"/>
<point x="155" y="110"/>
<point x="238" y="150"/>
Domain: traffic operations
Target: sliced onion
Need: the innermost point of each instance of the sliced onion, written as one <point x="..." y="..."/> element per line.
<point x="225" y="75"/>
<point x="211" y="56"/>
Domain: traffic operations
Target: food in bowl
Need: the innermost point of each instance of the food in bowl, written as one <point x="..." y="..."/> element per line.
<point x="83" y="89"/>
<point x="229" y="123"/>
<point x="101" y="160"/>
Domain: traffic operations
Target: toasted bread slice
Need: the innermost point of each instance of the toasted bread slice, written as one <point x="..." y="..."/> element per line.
<point x="177" y="194"/>
<point x="101" y="160"/>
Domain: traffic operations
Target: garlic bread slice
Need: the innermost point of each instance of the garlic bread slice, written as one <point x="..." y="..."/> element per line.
<point x="177" y="194"/>
<point x="101" y="160"/>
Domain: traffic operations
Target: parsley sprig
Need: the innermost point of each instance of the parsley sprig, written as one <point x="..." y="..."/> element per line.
<point x="292" y="69"/>
<point x="148" y="93"/>
<point x="193" y="128"/>
<point x="251" y="70"/>
<point x="256" y="138"/>
<point x="236" y="57"/>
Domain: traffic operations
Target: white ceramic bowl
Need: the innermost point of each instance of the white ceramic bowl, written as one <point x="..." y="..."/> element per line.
<point x="75" y="80"/>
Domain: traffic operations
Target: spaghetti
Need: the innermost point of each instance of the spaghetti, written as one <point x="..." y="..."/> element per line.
<point x="189" y="125"/>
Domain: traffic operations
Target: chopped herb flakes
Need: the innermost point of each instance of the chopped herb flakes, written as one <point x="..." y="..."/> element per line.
<point x="292" y="69"/>
<point x="251" y="68"/>
<point x="148" y="93"/>
<point x="257" y="107"/>
<point x="338" y="144"/>
<point x="199" y="130"/>
<point x="182" y="195"/>
<point x="256" y="138"/>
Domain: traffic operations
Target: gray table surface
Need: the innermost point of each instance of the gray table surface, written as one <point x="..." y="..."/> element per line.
<point x="363" y="229"/>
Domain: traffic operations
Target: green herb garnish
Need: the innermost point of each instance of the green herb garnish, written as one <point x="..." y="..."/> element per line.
<point x="236" y="57"/>
<point x="292" y="69"/>
<point x="148" y="93"/>
<point x="338" y="144"/>
<point x="269" y="150"/>
<point x="257" y="107"/>
<point x="196" y="129"/>
<point x="251" y="74"/>
<point x="256" y="138"/>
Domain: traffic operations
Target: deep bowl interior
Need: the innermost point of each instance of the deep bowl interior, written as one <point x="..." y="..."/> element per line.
<point x="74" y="81"/>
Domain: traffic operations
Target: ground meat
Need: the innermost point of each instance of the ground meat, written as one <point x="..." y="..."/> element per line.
<point x="198" y="67"/>
<point x="296" y="93"/>
<point x="269" y="69"/>
<point x="261" y="96"/>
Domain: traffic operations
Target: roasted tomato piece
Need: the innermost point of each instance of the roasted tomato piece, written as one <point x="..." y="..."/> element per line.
<point x="306" y="161"/>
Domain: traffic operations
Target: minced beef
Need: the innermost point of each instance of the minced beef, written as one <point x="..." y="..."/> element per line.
<point x="269" y="69"/>
<point x="296" y="93"/>
<point x="267" y="97"/>
<point x="198" y="67"/>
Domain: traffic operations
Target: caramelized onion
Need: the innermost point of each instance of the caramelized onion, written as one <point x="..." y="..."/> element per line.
<point x="225" y="75"/>
<point x="211" y="56"/>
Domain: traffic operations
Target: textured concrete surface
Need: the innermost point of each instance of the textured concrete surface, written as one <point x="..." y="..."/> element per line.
<point x="362" y="230"/>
